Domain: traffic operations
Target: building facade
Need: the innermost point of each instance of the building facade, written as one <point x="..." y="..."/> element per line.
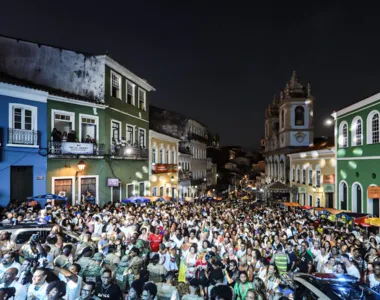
<point x="184" y="171"/>
<point x="23" y="162"/>
<point x="312" y="172"/>
<point x="288" y="125"/>
<point x="113" y="113"/>
<point x="163" y="161"/>
<point x="358" y="147"/>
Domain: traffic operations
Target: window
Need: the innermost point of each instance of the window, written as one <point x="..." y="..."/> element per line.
<point x="116" y="194"/>
<point x="298" y="174"/>
<point x="115" y="131"/>
<point x="154" y="153"/>
<point x="22" y="123"/>
<point x="142" y="99"/>
<point x="294" y="174"/>
<point x="167" y="156"/>
<point x="130" y="190"/>
<point x="375" y="128"/>
<point x="130" y="134"/>
<point x="343" y="195"/>
<point x="115" y="85"/>
<point x="356" y="131"/>
<point x="168" y="191"/>
<point x="283" y="118"/>
<point x="318" y="176"/>
<point x="310" y="176"/>
<point x="88" y="189"/>
<point x="88" y="128"/>
<point x="161" y="156"/>
<point x="303" y="176"/>
<point x="343" y="135"/>
<point x="310" y="200"/>
<point x="142" y="188"/>
<point x="64" y="123"/>
<point x="22" y="118"/>
<point x="161" y="191"/>
<point x="130" y="93"/>
<point x="142" y="137"/>
<point x="173" y="157"/>
<point x="154" y="191"/>
<point x="299" y="116"/>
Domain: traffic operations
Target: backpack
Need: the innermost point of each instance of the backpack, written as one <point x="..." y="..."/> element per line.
<point x="92" y="273"/>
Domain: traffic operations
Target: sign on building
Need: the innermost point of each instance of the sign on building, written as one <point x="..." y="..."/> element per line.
<point x="77" y="148"/>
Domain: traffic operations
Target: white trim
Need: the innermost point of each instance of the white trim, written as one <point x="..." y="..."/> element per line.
<point x="133" y="92"/>
<point x="341" y="137"/>
<point x="138" y="98"/>
<point x="138" y="136"/>
<point x="341" y="194"/>
<point x="134" y="132"/>
<point x="353" y="130"/>
<point x="33" y="109"/>
<point x="369" y="126"/>
<point x="120" y="130"/>
<point x="96" y="186"/>
<point x="23" y="146"/>
<point x="358" y="158"/>
<point x="161" y="136"/>
<point x="352" y="197"/>
<point x="133" y="190"/>
<point x="124" y="71"/>
<point x="74" y="196"/>
<point x="24" y="93"/>
<point x="120" y="85"/>
<point x="358" y="105"/>
<point x="63" y="112"/>
<point x="77" y="102"/>
<point x="96" y="118"/>
<point x="127" y="114"/>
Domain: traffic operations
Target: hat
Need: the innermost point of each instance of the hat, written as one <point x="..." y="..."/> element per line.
<point x="98" y="256"/>
<point x="62" y="261"/>
<point x="124" y="261"/>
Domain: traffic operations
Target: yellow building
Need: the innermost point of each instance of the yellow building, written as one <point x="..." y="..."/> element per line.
<point x="312" y="176"/>
<point x="163" y="162"/>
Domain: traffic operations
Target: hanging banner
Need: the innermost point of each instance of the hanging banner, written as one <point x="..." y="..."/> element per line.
<point x="328" y="188"/>
<point x="77" y="148"/>
<point x="373" y="192"/>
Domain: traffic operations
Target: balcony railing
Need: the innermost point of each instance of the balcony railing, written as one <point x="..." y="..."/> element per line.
<point x="193" y="136"/>
<point x="129" y="151"/>
<point x="184" y="175"/>
<point x="69" y="148"/>
<point x="164" y="168"/>
<point x="22" y="137"/>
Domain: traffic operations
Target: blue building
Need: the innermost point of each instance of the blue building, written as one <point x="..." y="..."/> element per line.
<point x="23" y="160"/>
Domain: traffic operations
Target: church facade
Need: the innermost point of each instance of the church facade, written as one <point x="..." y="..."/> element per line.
<point x="288" y="127"/>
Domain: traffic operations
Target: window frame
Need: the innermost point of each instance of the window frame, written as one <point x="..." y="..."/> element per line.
<point x="96" y="118"/>
<point x="354" y="131"/>
<point x="96" y="186"/>
<point x="133" y="190"/>
<point x="310" y="178"/>
<point x="133" y="133"/>
<point x="127" y="82"/>
<point x="138" y="98"/>
<point x="144" y="189"/>
<point x="342" y="140"/>
<point x="144" y="130"/>
<point x="120" y="85"/>
<point x="120" y="130"/>
<point x="318" y="176"/>
<point x="23" y="107"/>
<point x="282" y="118"/>
<point x="303" y="114"/>
<point x="303" y="175"/>
<point x="162" y="155"/>
<point x="369" y="130"/>
<point x="167" y="155"/>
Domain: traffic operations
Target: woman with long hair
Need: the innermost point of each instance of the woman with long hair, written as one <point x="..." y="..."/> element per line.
<point x="242" y="286"/>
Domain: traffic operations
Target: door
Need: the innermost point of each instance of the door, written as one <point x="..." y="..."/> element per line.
<point x="21" y="183"/>
<point x="376" y="207"/>
<point x="116" y="194"/>
<point x="358" y="198"/>
<point x="173" y="193"/>
<point x="329" y="200"/>
<point x="64" y="187"/>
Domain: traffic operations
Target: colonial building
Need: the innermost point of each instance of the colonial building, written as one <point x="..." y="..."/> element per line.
<point x="163" y="160"/>
<point x="102" y="122"/>
<point x="357" y="136"/>
<point x="288" y="125"/>
<point x="312" y="173"/>
<point x="23" y="139"/>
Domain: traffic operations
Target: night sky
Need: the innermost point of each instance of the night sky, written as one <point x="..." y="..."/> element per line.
<point x="220" y="63"/>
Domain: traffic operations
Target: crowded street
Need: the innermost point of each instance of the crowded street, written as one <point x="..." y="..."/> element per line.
<point x="208" y="249"/>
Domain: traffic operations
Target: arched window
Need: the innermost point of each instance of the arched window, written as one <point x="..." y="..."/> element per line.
<point x="343" y="195"/>
<point x="299" y="116"/>
<point x="283" y="118"/>
<point x="161" y="156"/>
<point x="357" y="196"/>
<point x="168" y="156"/>
<point x="154" y="157"/>
<point x="373" y="135"/>
<point x="343" y="135"/>
<point x="357" y="132"/>
<point x="310" y="200"/>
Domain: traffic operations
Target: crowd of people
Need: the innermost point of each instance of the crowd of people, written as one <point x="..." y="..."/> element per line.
<point x="204" y="250"/>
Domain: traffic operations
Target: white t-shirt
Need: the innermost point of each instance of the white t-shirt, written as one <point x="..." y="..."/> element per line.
<point x="20" y="290"/>
<point x="372" y="281"/>
<point x="39" y="294"/>
<point x="72" y="289"/>
<point x="3" y="269"/>
<point x="353" y="271"/>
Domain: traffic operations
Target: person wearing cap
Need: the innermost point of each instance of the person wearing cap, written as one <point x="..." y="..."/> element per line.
<point x="121" y="274"/>
<point x="68" y="273"/>
<point x="92" y="271"/>
<point x="85" y="260"/>
<point x="111" y="260"/>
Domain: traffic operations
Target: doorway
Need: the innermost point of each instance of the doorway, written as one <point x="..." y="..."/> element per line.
<point x="64" y="187"/>
<point x="21" y="183"/>
<point x="375" y="207"/>
<point x="329" y="200"/>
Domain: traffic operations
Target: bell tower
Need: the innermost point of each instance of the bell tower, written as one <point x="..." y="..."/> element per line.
<point x="271" y="125"/>
<point x="296" y="114"/>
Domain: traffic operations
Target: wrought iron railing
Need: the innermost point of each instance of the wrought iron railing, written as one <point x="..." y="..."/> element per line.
<point x="69" y="148"/>
<point x="193" y="136"/>
<point x="129" y="151"/>
<point x="22" y="137"/>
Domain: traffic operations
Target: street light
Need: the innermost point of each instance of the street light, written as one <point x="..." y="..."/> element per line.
<point x="81" y="166"/>
<point x="329" y="122"/>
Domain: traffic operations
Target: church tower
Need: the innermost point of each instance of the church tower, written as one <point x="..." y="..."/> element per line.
<point x="271" y="126"/>
<point x="296" y="115"/>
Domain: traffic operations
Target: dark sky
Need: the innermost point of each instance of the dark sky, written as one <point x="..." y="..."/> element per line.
<point x="220" y="63"/>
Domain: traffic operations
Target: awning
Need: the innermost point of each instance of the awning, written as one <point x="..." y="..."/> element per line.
<point x="292" y="204"/>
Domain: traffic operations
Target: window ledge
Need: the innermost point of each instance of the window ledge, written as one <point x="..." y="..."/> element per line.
<point x="23" y="146"/>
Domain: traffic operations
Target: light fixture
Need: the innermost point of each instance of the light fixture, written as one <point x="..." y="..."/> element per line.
<point x="172" y="179"/>
<point x="314" y="189"/>
<point x="81" y="166"/>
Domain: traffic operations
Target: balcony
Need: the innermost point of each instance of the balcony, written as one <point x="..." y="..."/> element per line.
<point x="184" y="175"/>
<point x="22" y="137"/>
<point x="199" y="138"/>
<point x="164" y="168"/>
<point x="129" y="152"/>
<point x="75" y="149"/>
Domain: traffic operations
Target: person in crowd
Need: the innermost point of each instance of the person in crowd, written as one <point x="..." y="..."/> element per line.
<point x="9" y="280"/>
<point x="38" y="289"/>
<point x="107" y="289"/>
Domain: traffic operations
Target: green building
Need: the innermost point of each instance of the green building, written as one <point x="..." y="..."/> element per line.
<point x="357" y="138"/>
<point x="97" y="117"/>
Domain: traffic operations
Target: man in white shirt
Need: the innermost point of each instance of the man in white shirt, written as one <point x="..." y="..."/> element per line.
<point x="9" y="281"/>
<point x="350" y="267"/>
<point x="68" y="274"/>
<point x="9" y="262"/>
<point x="37" y="290"/>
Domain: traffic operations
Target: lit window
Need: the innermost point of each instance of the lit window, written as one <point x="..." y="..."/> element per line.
<point x="375" y="128"/>
<point x="310" y="176"/>
<point x="130" y="93"/>
<point x="299" y="116"/>
<point x="115" y="85"/>
<point x="357" y="132"/>
<point x="142" y="99"/>
<point x="343" y="135"/>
